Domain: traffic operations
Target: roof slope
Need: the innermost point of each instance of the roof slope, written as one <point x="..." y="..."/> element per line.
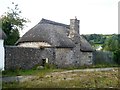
<point x="2" y="34"/>
<point x="85" y="45"/>
<point x="53" y="33"/>
<point x="45" y="21"/>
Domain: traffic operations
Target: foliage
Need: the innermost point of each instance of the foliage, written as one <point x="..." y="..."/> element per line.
<point x="113" y="44"/>
<point x="49" y="66"/>
<point x="25" y="72"/>
<point x="12" y="23"/>
<point x="35" y="71"/>
<point x="108" y="42"/>
<point x="117" y="56"/>
<point x="95" y="38"/>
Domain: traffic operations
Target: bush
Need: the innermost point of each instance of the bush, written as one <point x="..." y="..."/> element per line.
<point x="49" y="66"/>
<point x="117" y="56"/>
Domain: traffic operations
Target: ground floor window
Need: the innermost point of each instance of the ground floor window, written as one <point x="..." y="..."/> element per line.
<point x="90" y="57"/>
<point x="44" y="61"/>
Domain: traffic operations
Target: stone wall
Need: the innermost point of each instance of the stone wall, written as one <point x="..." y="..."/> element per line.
<point x="26" y="58"/>
<point x="64" y="57"/>
<point x="86" y="58"/>
<point x="103" y="57"/>
<point x="72" y="57"/>
<point x="77" y="55"/>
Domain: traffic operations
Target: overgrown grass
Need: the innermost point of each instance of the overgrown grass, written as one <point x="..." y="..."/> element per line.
<point x="94" y="66"/>
<point x="50" y="68"/>
<point x="34" y="71"/>
<point x="28" y="72"/>
<point x="104" y="65"/>
<point x="96" y="79"/>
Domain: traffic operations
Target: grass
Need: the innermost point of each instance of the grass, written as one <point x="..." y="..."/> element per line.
<point x="48" y="69"/>
<point x="27" y="72"/>
<point x="55" y="78"/>
<point x="60" y="79"/>
<point x="104" y="65"/>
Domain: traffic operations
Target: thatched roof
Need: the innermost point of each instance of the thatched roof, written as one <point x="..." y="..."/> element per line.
<point x="85" y="45"/>
<point x="45" y="32"/>
<point x="45" y="21"/>
<point x="2" y="34"/>
<point x="53" y="33"/>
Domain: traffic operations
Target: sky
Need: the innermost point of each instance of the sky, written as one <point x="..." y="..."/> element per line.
<point x="96" y="16"/>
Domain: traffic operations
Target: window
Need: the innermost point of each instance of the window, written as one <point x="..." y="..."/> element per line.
<point x="44" y="61"/>
<point x="76" y="62"/>
<point x="90" y="56"/>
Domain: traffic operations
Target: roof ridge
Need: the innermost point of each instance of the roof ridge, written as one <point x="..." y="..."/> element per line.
<point x="43" y="21"/>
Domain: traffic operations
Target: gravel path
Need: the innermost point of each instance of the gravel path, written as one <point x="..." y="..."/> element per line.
<point x="89" y="70"/>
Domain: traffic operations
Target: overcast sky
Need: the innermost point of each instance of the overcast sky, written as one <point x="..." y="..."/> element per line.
<point x="96" y="16"/>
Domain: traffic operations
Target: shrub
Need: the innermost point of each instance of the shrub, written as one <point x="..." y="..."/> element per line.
<point x="117" y="56"/>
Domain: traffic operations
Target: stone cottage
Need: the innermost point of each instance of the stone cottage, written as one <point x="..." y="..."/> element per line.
<point x="62" y="44"/>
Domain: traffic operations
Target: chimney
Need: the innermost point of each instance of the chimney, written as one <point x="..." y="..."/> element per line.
<point x="74" y="31"/>
<point x="74" y="25"/>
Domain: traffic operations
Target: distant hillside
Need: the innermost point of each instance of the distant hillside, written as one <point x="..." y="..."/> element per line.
<point x="97" y="40"/>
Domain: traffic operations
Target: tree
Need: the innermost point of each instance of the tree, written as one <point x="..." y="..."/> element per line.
<point x="117" y="56"/>
<point x="113" y="44"/>
<point x="12" y="23"/>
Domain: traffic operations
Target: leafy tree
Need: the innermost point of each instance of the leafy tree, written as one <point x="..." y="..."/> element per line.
<point x="113" y="44"/>
<point x="108" y="43"/>
<point x="95" y="38"/>
<point x="117" y="56"/>
<point x="117" y="51"/>
<point x="12" y="23"/>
